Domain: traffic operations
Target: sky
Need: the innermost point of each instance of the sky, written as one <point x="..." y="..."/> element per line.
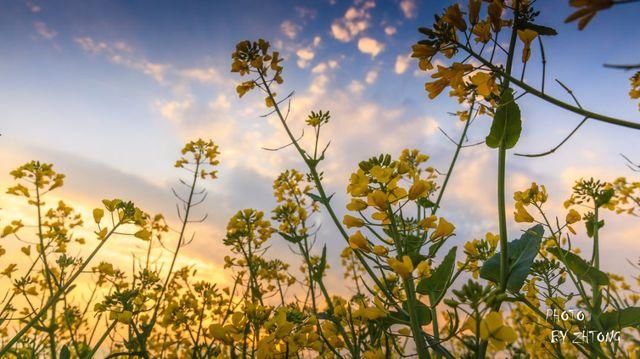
<point x="109" y="91"/>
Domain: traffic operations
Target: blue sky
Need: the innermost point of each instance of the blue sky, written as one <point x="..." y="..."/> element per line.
<point x="110" y="90"/>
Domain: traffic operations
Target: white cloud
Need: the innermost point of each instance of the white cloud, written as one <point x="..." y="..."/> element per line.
<point x="207" y="75"/>
<point x="44" y="31"/>
<point x="431" y="127"/>
<point x="390" y="30"/>
<point x="123" y="54"/>
<point x="370" y="46"/>
<point x="90" y="45"/>
<point x="174" y="110"/>
<point x="220" y="103"/>
<point x="290" y="29"/>
<point x="402" y="63"/>
<point x="354" y="21"/>
<point x="408" y="8"/>
<point x="305" y="55"/>
<point x="155" y="70"/>
<point x="319" y="84"/>
<point x="316" y="41"/>
<point x="371" y="77"/>
<point x="324" y="66"/>
<point x="319" y="68"/>
<point x="356" y="87"/>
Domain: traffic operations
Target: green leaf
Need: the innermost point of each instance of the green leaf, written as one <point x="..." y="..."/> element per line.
<point x="413" y="244"/>
<point x="591" y="224"/>
<point x="292" y="239"/>
<point x="580" y="267"/>
<point x="521" y="254"/>
<point x="422" y="311"/>
<point x="425" y="202"/>
<point x="64" y="352"/>
<point x="434" y="248"/>
<point x="322" y="265"/>
<point x="317" y="198"/>
<point x="436" y="285"/>
<point x="618" y="319"/>
<point x="541" y="30"/>
<point x="507" y="124"/>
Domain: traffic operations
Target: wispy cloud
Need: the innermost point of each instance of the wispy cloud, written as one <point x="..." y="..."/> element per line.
<point x="290" y="29"/>
<point x="409" y="8"/>
<point x="123" y="54"/>
<point x="44" y="31"/>
<point x="372" y="76"/>
<point x="355" y="20"/>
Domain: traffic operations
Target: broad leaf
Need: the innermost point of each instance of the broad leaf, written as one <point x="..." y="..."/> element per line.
<point x="618" y="319"/>
<point x="580" y="267"/>
<point x="436" y="285"/>
<point x="590" y="224"/>
<point x="64" y="352"/>
<point x="507" y="124"/>
<point x="521" y="254"/>
<point x="422" y="311"/>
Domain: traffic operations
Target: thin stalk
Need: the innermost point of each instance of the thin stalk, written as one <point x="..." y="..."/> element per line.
<point x="323" y="196"/>
<point x="104" y="336"/>
<point x="53" y="299"/>
<point x="453" y="161"/>
<point x="47" y="273"/>
<point x="523" y="85"/>
<point x="185" y="221"/>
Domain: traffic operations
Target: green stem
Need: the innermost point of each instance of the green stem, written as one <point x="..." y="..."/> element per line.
<point x="523" y="85"/>
<point x="416" y="328"/>
<point x="53" y="299"/>
<point x="453" y="160"/>
<point x="323" y="196"/>
<point x="154" y="317"/>
<point x="104" y="336"/>
<point x="502" y="160"/>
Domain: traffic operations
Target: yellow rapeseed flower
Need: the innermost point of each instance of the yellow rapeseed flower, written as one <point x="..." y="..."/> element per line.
<point x="492" y="328"/>
<point x="357" y="205"/>
<point x="358" y="241"/>
<point x="521" y="214"/>
<point x="526" y="36"/>
<point x="573" y="216"/>
<point x="418" y="189"/>
<point x="351" y="221"/>
<point x="444" y="229"/>
<point x="402" y="268"/>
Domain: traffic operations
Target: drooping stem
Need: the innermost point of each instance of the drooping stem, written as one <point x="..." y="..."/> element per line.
<point x="506" y="75"/>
